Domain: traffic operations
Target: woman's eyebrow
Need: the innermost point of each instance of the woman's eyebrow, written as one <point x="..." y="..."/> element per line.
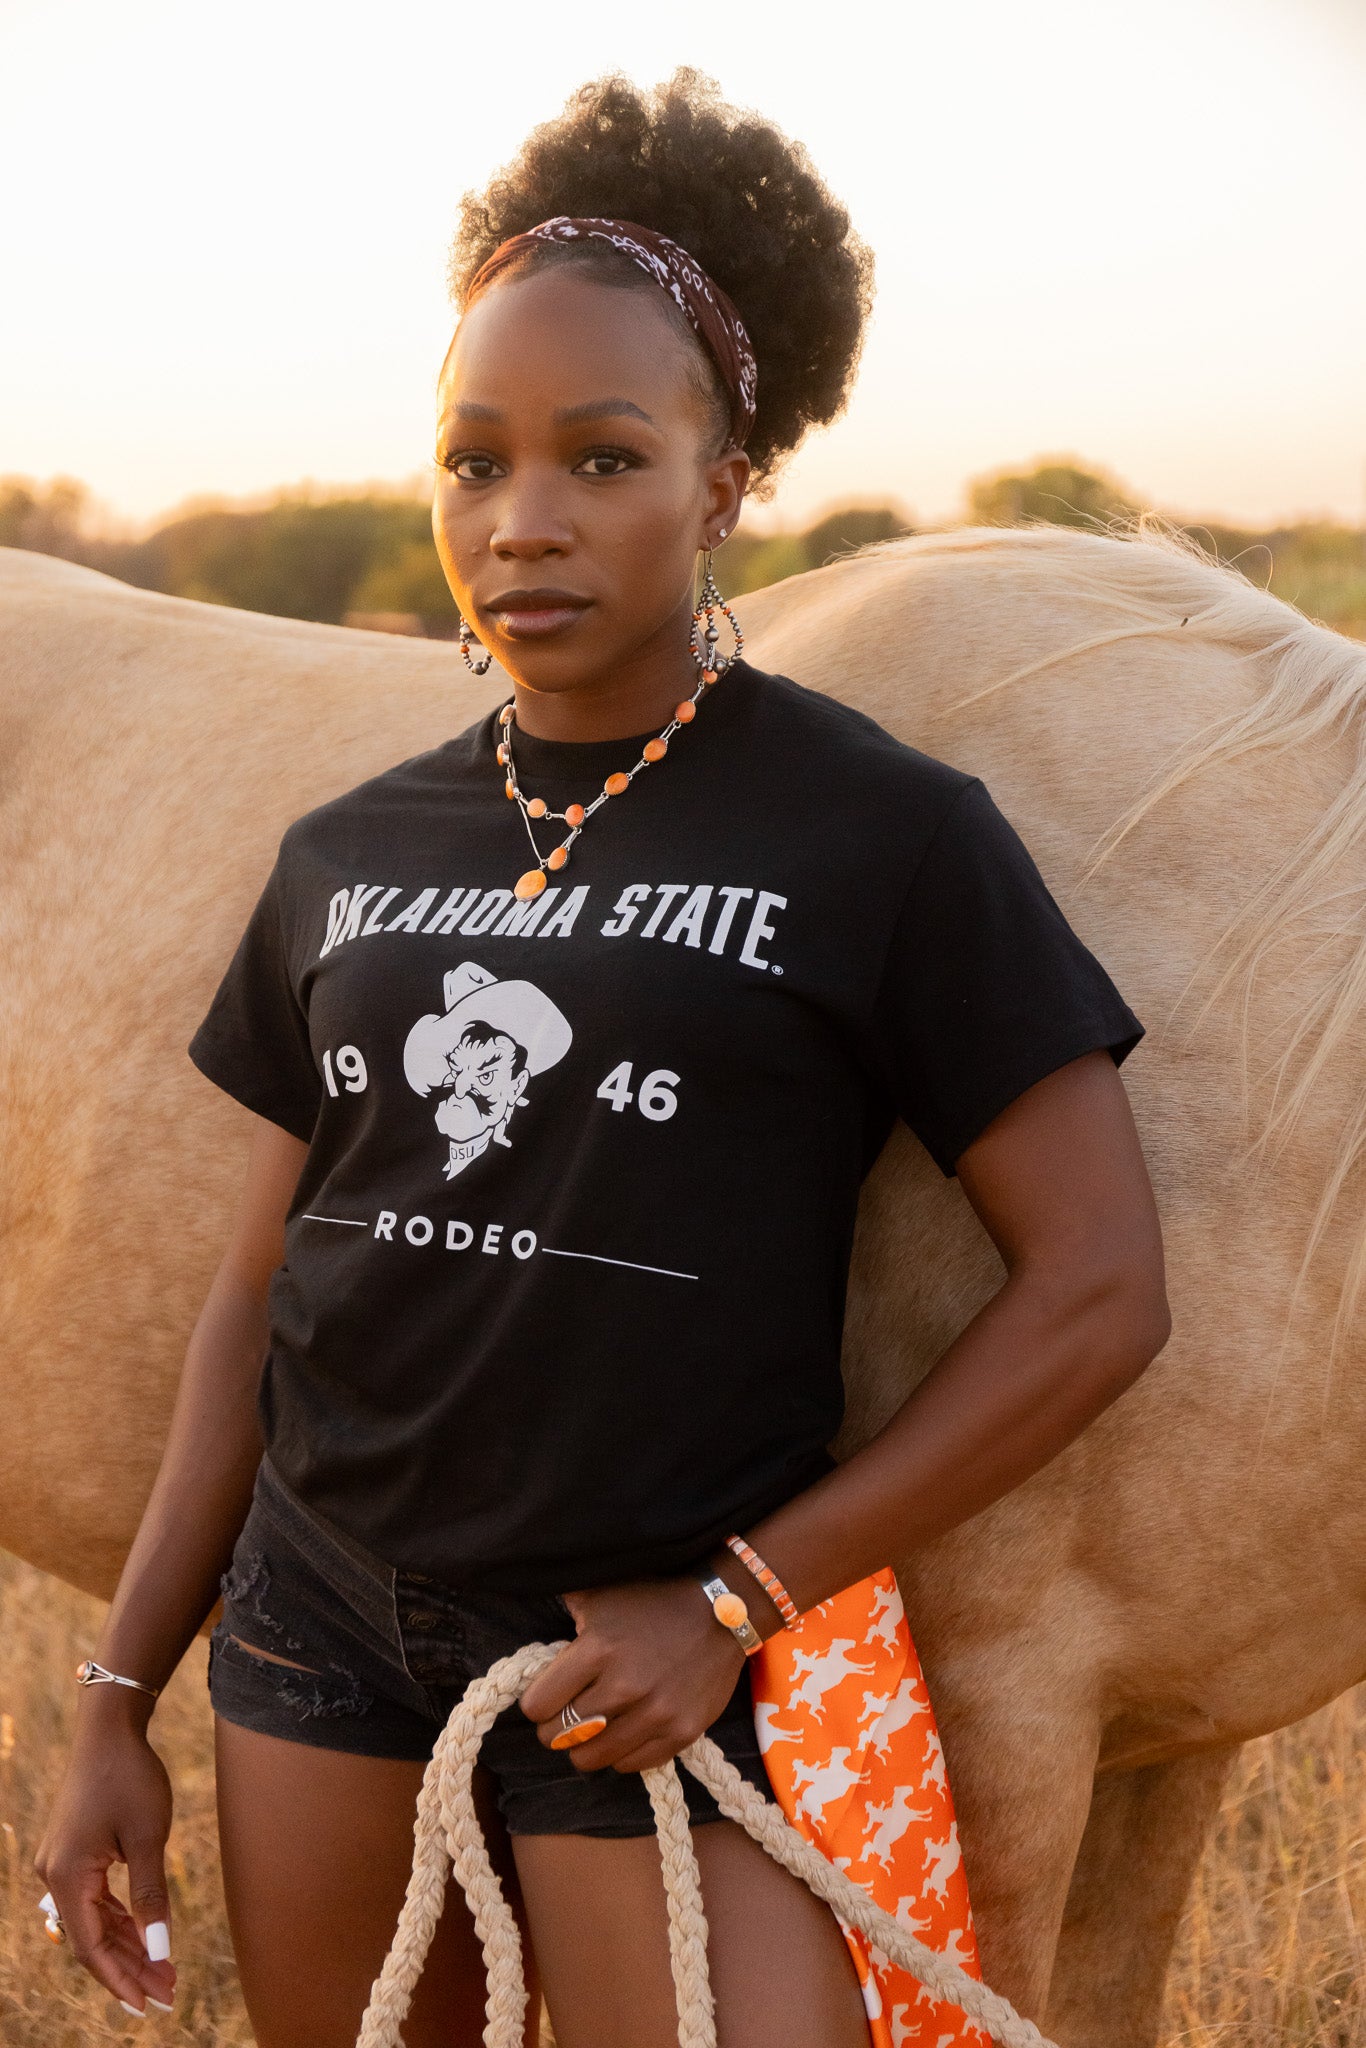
<point x="599" y="409"/>
<point x="567" y="416"/>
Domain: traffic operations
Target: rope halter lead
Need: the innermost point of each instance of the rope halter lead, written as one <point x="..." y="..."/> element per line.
<point x="447" y="1832"/>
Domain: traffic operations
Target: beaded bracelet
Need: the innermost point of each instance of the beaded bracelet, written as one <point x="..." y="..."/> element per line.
<point x="768" y="1579"/>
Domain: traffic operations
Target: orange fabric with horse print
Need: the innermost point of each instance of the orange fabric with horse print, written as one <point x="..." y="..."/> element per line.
<point x="850" y="1745"/>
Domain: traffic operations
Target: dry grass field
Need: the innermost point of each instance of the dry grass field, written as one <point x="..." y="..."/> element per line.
<point x="1273" y="1953"/>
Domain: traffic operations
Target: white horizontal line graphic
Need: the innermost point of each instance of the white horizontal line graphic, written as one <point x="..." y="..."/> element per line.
<point x="668" y="1271"/>
<point x="354" y="1222"/>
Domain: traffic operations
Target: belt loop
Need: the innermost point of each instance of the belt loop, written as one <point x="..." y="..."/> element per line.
<point x="398" y="1631"/>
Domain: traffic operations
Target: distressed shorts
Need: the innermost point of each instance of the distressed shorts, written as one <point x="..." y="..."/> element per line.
<point x="391" y="1652"/>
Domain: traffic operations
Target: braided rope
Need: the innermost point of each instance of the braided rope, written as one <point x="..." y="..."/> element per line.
<point x="447" y="1830"/>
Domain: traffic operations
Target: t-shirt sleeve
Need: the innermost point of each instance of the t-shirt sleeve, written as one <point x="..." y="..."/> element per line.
<point x="254" y="1042"/>
<point x="986" y="987"/>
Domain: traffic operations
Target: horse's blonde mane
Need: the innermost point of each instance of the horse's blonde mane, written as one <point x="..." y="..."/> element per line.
<point x="1313" y="686"/>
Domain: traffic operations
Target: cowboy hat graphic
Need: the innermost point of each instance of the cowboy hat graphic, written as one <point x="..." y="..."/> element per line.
<point x="494" y="1036"/>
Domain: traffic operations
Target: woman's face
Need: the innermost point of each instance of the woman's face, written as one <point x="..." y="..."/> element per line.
<point x="576" y="480"/>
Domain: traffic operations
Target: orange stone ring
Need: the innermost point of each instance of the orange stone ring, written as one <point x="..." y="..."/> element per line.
<point x="574" y="1728"/>
<point x="53" y="1924"/>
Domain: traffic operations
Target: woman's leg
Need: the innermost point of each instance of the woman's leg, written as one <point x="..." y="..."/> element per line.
<point x="317" y="1847"/>
<point x="780" y="1972"/>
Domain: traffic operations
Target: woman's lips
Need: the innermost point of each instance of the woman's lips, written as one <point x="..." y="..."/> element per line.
<point x="534" y="622"/>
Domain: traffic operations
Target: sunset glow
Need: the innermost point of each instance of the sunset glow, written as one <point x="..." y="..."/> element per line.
<point x="1128" y="233"/>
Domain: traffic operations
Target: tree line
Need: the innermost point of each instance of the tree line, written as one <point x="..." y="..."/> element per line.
<point x="368" y="556"/>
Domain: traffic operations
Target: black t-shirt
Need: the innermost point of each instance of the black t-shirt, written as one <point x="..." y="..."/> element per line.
<point x="565" y="1273"/>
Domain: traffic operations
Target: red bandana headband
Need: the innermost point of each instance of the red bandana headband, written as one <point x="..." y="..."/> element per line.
<point x="705" y="306"/>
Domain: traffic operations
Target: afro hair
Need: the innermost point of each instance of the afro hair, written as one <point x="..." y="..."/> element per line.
<point x="742" y="198"/>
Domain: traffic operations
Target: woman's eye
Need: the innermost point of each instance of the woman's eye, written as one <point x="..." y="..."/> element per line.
<point x="471" y="469"/>
<point x="606" y="462"/>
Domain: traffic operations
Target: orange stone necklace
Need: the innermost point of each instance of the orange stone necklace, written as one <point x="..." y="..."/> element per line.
<point x="711" y="665"/>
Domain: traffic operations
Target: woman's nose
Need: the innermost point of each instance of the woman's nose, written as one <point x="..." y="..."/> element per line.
<point x="530" y="524"/>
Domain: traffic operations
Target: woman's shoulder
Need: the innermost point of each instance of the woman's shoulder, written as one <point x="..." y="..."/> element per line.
<point x="402" y="790"/>
<point x="833" y="738"/>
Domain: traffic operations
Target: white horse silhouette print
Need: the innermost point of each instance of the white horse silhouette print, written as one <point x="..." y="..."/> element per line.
<point x="887" y="1824"/>
<point x="888" y="1615"/>
<point x="823" y="1671"/>
<point x="904" y="1707"/>
<point x="907" y="2030"/>
<point x="941" y="1860"/>
<point x="907" y="1918"/>
<point x="905" y="1913"/>
<point x="768" y="1730"/>
<point x="955" y="1951"/>
<point x="825" y="1782"/>
<point x="934" y="1772"/>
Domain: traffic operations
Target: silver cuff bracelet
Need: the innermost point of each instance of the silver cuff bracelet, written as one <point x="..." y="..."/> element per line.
<point x="91" y="1673"/>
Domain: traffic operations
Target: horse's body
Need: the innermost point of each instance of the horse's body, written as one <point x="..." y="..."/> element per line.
<point x="1190" y="1572"/>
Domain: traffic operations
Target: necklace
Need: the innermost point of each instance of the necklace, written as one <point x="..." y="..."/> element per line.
<point x="576" y="816"/>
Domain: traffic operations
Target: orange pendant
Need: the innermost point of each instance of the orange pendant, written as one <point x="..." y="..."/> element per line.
<point x="530" y="884"/>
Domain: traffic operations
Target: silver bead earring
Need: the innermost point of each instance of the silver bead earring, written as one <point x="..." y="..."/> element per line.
<point x="476" y="668"/>
<point x="705" y="631"/>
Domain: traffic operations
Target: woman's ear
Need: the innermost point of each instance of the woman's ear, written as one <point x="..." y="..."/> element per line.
<point x="727" y="479"/>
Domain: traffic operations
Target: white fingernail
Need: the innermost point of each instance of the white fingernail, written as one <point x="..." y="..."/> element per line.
<point x="158" y="2004"/>
<point x="136" y="2010"/>
<point x="158" y="1939"/>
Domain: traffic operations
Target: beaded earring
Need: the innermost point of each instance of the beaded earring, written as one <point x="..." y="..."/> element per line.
<point x="703" y="637"/>
<point x="476" y="668"/>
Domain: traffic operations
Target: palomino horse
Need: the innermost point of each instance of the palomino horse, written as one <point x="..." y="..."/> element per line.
<point x="1185" y="757"/>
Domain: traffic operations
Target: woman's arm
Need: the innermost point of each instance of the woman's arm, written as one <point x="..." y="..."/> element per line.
<point x="114" y="1804"/>
<point x="199" y="1499"/>
<point x="1059" y="1182"/>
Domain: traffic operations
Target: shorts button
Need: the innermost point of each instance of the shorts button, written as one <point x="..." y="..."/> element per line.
<point x="421" y="1620"/>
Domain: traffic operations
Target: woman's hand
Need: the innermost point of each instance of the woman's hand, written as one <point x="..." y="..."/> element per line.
<point x="653" y="1658"/>
<point x="113" y="1806"/>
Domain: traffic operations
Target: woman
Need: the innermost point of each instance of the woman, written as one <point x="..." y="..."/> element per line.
<point x="568" y="1045"/>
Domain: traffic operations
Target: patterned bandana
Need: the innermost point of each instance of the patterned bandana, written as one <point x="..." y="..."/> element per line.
<point x="853" y="1755"/>
<point x="706" y="307"/>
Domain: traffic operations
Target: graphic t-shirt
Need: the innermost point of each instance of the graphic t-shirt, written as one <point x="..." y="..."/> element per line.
<point x="565" y="1272"/>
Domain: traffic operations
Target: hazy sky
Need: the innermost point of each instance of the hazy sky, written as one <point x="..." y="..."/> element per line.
<point x="1128" y="229"/>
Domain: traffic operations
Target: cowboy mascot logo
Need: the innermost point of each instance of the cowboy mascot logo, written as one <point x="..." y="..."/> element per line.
<point x="494" y="1037"/>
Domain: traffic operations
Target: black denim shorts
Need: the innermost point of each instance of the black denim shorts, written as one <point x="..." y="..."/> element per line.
<point x="389" y="1654"/>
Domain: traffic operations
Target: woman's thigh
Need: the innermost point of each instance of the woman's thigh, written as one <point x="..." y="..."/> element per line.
<point x="317" y="1848"/>
<point x="780" y="1972"/>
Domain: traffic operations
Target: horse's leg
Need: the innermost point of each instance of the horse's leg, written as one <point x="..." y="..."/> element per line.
<point x="1021" y="1783"/>
<point x="1133" y="1876"/>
